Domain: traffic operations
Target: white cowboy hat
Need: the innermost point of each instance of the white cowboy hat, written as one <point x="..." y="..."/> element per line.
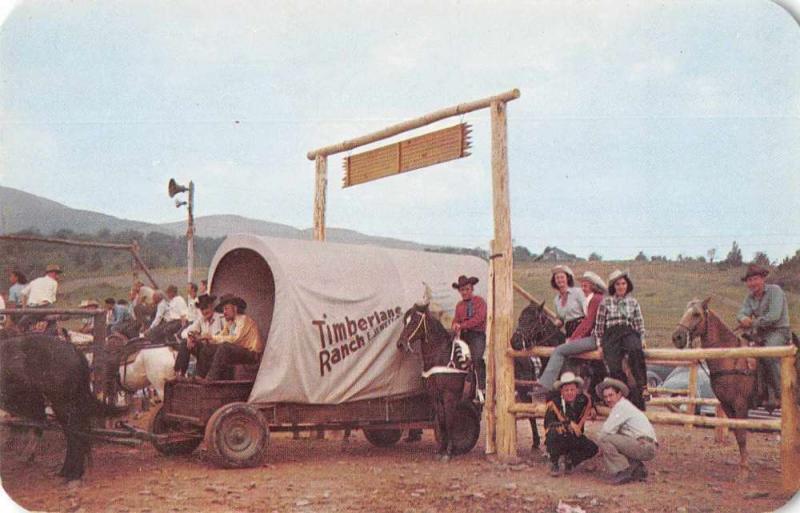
<point x="617" y="274"/>
<point x="611" y="382"/>
<point x="595" y="279"/>
<point x="562" y="269"/>
<point x="567" y="378"/>
<point x="88" y="302"/>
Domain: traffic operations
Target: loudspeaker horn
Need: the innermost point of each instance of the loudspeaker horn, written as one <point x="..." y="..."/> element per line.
<point x="173" y="188"/>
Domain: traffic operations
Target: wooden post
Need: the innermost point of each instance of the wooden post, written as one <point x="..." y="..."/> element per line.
<point x="491" y="367"/>
<point x="790" y="428"/>
<point x="319" y="197"/>
<point x="721" y="432"/>
<point x="690" y="407"/>
<point x="503" y="288"/>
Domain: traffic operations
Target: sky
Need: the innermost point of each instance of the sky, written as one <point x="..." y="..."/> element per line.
<point x="664" y="127"/>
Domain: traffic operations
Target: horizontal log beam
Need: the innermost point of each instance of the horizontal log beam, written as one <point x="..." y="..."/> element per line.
<point x="411" y="124"/>
<point x="678" y="354"/>
<point x="78" y="312"/>
<point x="68" y="242"/>
<point x="663" y="401"/>
<point x="658" y="417"/>
<point x="530" y="297"/>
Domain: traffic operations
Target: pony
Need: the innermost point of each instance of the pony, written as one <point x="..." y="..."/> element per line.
<point x="41" y="370"/>
<point x="733" y="380"/>
<point x="536" y="329"/>
<point x="133" y="365"/>
<point x="447" y="366"/>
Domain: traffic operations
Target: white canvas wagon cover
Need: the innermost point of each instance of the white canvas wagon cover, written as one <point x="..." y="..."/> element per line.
<point x="331" y="313"/>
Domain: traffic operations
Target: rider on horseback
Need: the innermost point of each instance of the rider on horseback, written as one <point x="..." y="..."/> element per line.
<point x="765" y="313"/>
<point x="40" y="293"/>
<point x="469" y="323"/>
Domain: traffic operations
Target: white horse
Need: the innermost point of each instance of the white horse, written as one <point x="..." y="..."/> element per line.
<point x="149" y="367"/>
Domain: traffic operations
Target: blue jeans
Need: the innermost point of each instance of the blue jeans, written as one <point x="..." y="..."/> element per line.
<point x="773" y="339"/>
<point x="550" y="373"/>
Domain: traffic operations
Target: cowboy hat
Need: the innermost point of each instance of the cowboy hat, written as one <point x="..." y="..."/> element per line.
<point x="205" y="301"/>
<point x="86" y="303"/>
<point x="562" y="269"/>
<point x="611" y="382"/>
<point x="463" y="281"/>
<point x="233" y="300"/>
<point x="617" y="274"/>
<point x="755" y="270"/>
<point x="567" y="378"/>
<point x="53" y="268"/>
<point x="594" y="279"/>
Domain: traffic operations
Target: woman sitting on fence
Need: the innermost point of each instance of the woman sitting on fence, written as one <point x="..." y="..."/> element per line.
<point x="581" y="339"/>
<point x="620" y="329"/>
<point x="570" y="300"/>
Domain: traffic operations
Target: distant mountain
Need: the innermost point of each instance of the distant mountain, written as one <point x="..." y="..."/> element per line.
<point x="23" y="211"/>
<point x="221" y="225"/>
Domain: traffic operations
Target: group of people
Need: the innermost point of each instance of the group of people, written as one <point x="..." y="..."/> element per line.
<point x="598" y="314"/>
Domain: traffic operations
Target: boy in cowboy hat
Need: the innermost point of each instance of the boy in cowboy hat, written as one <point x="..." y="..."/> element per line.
<point x="564" y="419"/>
<point x="238" y="342"/>
<point x="469" y="323"/>
<point x="619" y="329"/>
<point x="766" y="313"/>
<point x="627" y="437"/>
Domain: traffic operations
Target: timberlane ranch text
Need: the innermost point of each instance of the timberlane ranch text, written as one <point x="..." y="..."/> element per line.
<point x="338" y="340"/>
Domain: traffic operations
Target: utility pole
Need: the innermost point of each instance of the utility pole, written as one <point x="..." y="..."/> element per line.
<point x="174" y="188"/>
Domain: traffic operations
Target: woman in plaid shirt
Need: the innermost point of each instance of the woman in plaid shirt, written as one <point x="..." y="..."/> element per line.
<point x="620" y="329"/>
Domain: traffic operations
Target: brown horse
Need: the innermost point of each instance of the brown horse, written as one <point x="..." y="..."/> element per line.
<point x="733" y="380"/>
<point x="445" y="378"/>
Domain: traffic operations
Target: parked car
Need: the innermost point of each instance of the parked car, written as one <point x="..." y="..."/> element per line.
<point x="656" y="374"/>
<point x="678" y="379"/>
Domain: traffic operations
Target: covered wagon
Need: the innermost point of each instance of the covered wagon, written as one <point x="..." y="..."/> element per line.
<point x="331" y="315"/>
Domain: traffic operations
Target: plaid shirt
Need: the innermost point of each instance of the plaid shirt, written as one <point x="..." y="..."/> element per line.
<point x="614" y="311"/>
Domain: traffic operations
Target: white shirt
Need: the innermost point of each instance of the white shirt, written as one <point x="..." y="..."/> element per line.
<point x="176" y="309"/>
<point x="144" y="296"/>
<point x="205" y="328"/>
<point x="161" y="311"/>
<point x="194" y="312"/>
<point x="41" y="291"/>
<point x="2" y="305"/>
<point x="626" y="419"/>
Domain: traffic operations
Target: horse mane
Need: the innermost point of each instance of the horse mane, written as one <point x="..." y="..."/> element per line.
<point x="727" y="336"/>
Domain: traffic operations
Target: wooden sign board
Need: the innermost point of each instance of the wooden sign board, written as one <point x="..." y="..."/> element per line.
<point x="415" y="153"/>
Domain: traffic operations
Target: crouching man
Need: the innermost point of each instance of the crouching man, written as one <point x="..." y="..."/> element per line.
<point x="238" y="343"/>
<point x="627" y="438"/>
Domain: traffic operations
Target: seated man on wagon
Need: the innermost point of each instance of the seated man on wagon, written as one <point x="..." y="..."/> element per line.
<point x="239" y="342"/>
<point x="198" y="335"/>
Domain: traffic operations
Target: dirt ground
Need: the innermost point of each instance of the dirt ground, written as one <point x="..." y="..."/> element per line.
<point x="690" y="474"/>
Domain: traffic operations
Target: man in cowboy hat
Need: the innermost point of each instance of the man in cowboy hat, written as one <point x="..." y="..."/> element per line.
<point x="581" y="340"/>
<point x="238" y="342"/>
<point x="40" y="293"/>
<point x="627" y="437"/>
<point x="469" y="323"/>
<point x="198" y="335"/>
<point x="765" y="313"/>
<point x="564" y="418"/>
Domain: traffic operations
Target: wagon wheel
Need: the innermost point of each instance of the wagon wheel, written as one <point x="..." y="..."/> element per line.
<point x="237" y="436"/>
<point x="468" y="428"/>
<point x="383" y="437"/>
<point x="159" y="426"/>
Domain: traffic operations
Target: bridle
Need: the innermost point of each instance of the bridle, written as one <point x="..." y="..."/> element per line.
<point x="423" y="325"/>
<point x="530" y="336"/>
<point x="691" y="331"/>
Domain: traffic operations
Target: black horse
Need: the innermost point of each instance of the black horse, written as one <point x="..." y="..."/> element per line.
<point x="39" y="370"/>
<point x="536" y="329"/>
